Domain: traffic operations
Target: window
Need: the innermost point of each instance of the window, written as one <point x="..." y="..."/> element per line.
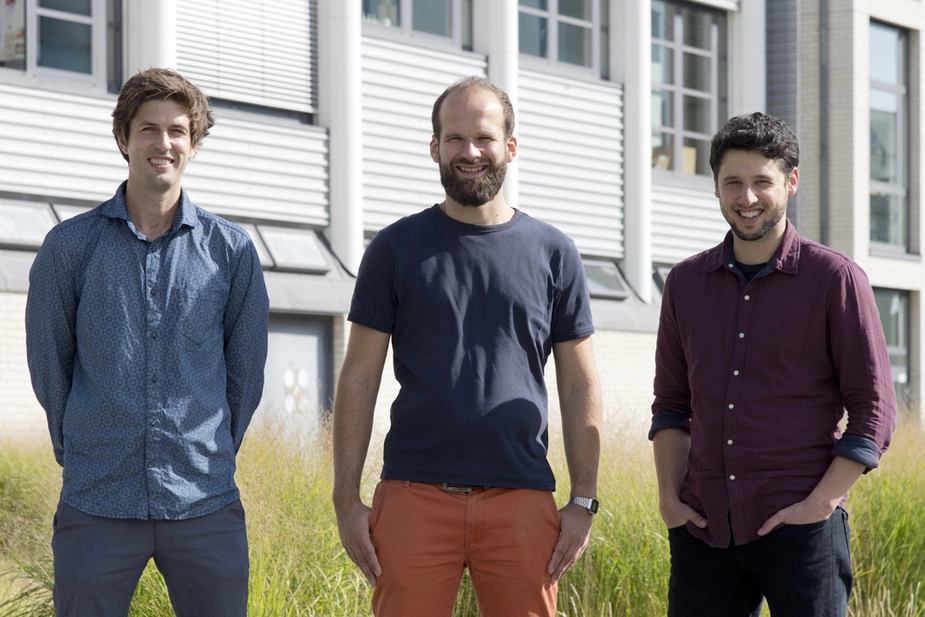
<point x="889" y="152"/>
<point x="572" y="33"/>
<point x="894" y="315"/>
<point x="450" y="19"/>
<point x="688" y="85"/>
<point x="63" y="39"/>
<point x="604" y="280"/>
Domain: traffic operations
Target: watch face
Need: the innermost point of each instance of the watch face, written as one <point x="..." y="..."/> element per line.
<point x="594" y="506"/>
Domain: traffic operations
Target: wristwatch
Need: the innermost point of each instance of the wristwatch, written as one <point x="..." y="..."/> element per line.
<point x="588" y="503"/>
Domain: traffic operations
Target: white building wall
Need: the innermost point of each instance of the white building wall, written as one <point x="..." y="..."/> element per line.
<point x="684" y="222"/>
<point x="20" y="413"/>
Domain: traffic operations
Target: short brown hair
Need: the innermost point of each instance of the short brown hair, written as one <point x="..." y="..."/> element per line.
<point x="756" y="132"/>
<point x="161" y="84"/>
<point x="475" y="83"/>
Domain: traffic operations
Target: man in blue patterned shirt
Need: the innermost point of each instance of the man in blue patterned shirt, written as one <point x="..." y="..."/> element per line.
<point x="146" y="333"/>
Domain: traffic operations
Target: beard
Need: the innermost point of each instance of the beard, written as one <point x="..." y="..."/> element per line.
<point x="472" y="192"/>
<point x="774" y="217"/>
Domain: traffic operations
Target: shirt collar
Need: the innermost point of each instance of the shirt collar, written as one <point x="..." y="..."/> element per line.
<point x="115" y="208"/>
<point x="786" y="258"/>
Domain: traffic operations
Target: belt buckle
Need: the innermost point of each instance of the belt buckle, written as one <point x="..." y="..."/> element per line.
<point x="450" y="488"/>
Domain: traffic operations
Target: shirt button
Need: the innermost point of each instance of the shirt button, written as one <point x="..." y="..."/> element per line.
<point x="731" y="406"/>
<point x="732" y="477"/>
<point x="741" y="335"/>
<point x="748" y="297"/>
<point x="154" y="335"/>
<point x="154" y="379"/>
<point x="736" y="373"/>
<point x="152" y="291"/>
<point x="154" y="422"/>
<point x="729" y="442"/>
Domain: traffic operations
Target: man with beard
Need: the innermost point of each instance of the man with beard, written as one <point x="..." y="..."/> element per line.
<point x="474" y="296"/>
<point x="765" y="342"/>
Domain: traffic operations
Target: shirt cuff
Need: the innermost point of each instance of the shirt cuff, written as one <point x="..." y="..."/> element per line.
<point x="859" y="449"/>
<point x="669" y="419"/>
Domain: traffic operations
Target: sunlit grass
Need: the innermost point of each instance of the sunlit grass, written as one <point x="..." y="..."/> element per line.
<point x="298" y="567"/>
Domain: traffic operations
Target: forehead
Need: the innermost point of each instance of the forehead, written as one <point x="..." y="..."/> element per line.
<point x="748" y="163"/>
<point x="472" y="110"/>
<point x="161" y="111"/>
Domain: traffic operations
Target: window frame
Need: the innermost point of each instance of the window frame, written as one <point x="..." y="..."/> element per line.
<point x="600" y="43"/>
<point x="460" y="38"/>
<point x="717" y="96"/>
<point x="97" y="80"/>
<point x="903" y="335"/>
<point x="900" y="189"/>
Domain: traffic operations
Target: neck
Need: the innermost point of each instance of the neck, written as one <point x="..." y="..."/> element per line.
<point x="751" y="252"/>
<point x="493" y="212"/>
<point x="152" y="213"/>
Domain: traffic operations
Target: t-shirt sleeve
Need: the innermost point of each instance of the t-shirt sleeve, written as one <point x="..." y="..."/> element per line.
<point x="571" y="318"/>
<point x="374" y="301"/>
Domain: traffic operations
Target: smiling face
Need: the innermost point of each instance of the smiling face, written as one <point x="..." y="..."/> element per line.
<point x="472" y="150"/>
<point x="158" y="146"/>
<point x="753" y="192"/>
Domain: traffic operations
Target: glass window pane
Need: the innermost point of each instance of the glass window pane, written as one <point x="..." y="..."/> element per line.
<point x="662" y="65"/>
<point x="663" y="108"/>
<point x="574" y="44"/>
<point x="65" y="45"/>
<point x="698" y="25"/>
<point x="695" y="157"/>
<point x="889" y="304"/>
<point x="13" y="34"/>
<point x="698" y="115"/>
<point x="663" y="151"/>
<point x="535" y="4"/>
<point x="579" y="9"/>
<point x="888" y="219"/>
<point x="697" y="72"/>
<point x="24" y="223"/>
<point x="78" y="7"/>
<point x="662" y="21"/>
<point x="886" y="54"/>
<point x="885" y="147"/>
<point x="467" y="24"/>
<point x="385" y="12"/>
<point x="432" y="16"/>
<point x="533" y="35"/>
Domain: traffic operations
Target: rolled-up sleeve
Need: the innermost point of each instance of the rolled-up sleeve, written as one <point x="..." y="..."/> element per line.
<point x="672" y="406"/>
<point x="51" y="344"/>
<point x="863" y="366"/>
<point x="246" y="319"/>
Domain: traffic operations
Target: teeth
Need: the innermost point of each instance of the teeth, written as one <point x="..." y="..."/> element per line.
<point x="750" y="214"/>
<point x="160" y="161"/>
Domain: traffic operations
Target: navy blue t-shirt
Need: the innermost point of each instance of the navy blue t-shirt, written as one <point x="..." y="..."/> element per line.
<point x="473" y="311"/>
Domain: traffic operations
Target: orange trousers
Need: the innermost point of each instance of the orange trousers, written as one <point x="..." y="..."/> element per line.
<point x="425" y="536"/>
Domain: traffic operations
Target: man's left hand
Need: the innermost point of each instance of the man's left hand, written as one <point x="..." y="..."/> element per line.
<point x="574" y="533"/>
<point x="801" y="513"/>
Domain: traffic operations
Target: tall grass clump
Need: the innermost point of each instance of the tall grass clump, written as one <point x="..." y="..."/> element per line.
<point x="298" y="567"/>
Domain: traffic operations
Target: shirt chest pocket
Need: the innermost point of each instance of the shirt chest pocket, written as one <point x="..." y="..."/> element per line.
<point x="201" y="314"/>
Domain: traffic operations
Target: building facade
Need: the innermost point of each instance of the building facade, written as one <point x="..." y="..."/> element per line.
<point x="323" y="122"/>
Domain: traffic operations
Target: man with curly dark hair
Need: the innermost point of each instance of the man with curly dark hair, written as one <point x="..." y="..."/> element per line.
<point x="146" y="333"/>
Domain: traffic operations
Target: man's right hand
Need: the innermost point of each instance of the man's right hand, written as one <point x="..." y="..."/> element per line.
<point x="676" y="513"/>
<point x="353" y="526"/>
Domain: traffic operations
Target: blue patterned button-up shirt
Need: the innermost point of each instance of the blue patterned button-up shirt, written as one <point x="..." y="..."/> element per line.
<point x="148" y="359"/>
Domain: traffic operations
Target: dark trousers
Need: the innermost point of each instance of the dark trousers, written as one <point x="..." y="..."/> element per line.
<point x="98" y="562"/>
<point x="801" y="570"/>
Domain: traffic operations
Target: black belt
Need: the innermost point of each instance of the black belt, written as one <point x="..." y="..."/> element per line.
<point x="460" y="488"/>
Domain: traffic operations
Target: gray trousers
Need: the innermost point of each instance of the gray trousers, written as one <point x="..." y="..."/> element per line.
<point x="98" y="562"/>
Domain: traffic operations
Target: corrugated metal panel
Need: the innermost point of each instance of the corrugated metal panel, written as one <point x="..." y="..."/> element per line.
<point x="60" y="146"/>
<point x="570" y="154"/>
<point x="783" y="71"/>
<point x="400" y="83"/>
<point x="684" y="222"/>
<point x="253" y="51"/>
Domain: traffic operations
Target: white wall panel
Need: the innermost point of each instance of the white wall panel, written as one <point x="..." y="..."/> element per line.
<point x="570" y="137"/>
<point x="58" y="145"/>
<point x="253" y="51"/>
<point x="400" y="83"/>
<point x="684" y="222"/>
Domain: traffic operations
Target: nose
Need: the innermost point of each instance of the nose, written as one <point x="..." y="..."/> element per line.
<point x="163" y="140"/>
<point x="472" y="151"/>
<point x="748" y="195"/>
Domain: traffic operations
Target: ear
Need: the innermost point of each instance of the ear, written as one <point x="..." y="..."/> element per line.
<point x="511" y="148"/>
<point x="792" y="181"/>
<point x="123" y="146"/>
<point x="716" y="186"/>
<point x="434" y="149"/>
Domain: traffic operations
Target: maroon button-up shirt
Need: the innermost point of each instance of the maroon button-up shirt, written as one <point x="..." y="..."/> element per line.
<point x="762" y="372"/>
